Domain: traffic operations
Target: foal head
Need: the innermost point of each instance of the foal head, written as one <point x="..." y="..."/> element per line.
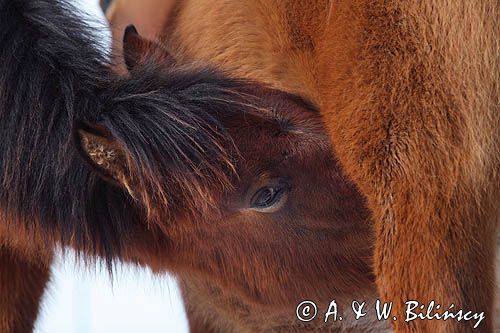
<point x="239" y="178"/>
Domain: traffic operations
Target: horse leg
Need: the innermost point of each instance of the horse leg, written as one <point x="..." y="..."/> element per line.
<point x="408" y="138"/>
<point x="22" y="282"/>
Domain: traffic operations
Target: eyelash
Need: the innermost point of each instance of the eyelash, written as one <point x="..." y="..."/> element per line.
<point x="275" y="192"/>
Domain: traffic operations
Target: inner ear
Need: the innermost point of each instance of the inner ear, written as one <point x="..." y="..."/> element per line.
<point x="137" y="49"/>
<point x="102" y="152"/>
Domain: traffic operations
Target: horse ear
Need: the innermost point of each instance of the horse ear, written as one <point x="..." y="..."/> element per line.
<point x="105" y="154"/>
<point x="137" y="49"/>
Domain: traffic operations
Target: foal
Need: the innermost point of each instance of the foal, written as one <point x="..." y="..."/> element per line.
<point x="248" y="243"/>
<point x="226" y="183"/>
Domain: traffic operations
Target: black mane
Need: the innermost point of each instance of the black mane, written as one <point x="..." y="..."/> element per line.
<point x="52" y="72"/>
<point x="52" y="75"/>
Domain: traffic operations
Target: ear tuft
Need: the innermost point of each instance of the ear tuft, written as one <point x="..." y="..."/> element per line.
<point x="105" y="155"/>
<point x="99" y="151"/>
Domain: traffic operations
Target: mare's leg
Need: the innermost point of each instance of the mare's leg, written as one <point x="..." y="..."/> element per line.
<point x="417" y="130"/>
<point x="22" y="282"/>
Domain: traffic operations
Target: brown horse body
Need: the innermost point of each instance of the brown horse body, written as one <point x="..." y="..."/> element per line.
<point x="409" y="92"/>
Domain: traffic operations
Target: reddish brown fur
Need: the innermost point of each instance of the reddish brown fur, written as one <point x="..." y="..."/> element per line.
<point x="409" y="91"/>
<point x="23" y="279"/>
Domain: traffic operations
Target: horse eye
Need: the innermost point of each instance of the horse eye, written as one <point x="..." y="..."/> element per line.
<point x="269" y="199"/>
